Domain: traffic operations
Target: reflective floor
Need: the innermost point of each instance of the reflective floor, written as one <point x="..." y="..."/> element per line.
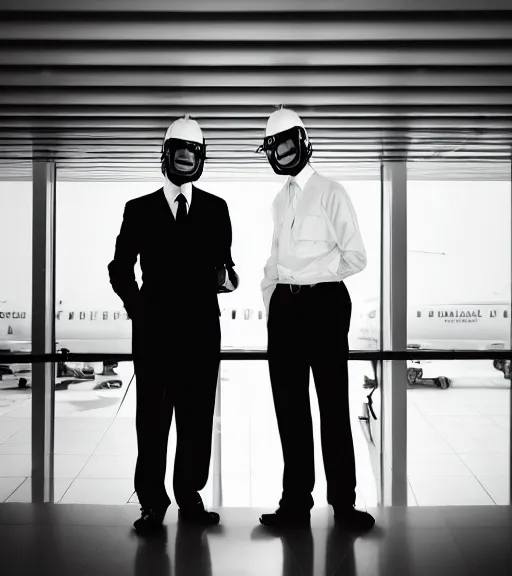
<point x="98" y="540"/>
<point x="96" y="446"/>
<point x="458" y="441"/>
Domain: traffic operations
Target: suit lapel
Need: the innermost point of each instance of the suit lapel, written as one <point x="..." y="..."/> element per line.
<point x="195" y="200"/>
<point x="163" y="206"/>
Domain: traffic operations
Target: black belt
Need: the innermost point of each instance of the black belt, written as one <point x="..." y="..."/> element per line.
<point x="296" y="288"/>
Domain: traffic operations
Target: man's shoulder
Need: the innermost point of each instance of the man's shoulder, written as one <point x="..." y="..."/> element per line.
<point x="325" y="182"/>
<point x="281" y="194"/>
<point x="208" y="197"/>
<point x="142" y="201"/>
<point x="328" y="187"/>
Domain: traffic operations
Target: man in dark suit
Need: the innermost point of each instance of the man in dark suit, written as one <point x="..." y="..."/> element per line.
<point x="183" y="238"/>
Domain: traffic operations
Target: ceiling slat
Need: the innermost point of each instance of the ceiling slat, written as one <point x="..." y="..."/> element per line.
<point x="224" y="140"/>
<point x="88" y="113"/>
<point x="368" y="28"/>
<point x="267" y="96"/>
<point x="192" y="6"/>
<point x="250" y="151"/>
<point x="241" y="54"/>
<point x="152" y="137"/>
<point x="347" y="155"/>
<point x="259" y="78"/>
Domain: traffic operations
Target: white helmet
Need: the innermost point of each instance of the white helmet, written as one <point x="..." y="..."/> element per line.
<point x="183" y="151"/>
<point x="185" y="129"/>
<point x="286" y="142"/>
<point x="281" y="120"/>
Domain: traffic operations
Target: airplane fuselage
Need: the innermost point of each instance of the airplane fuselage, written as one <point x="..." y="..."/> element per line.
<point x="453" y="326"/>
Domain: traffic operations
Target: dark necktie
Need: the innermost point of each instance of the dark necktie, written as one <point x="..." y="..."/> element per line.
<point x="181" y="214"/>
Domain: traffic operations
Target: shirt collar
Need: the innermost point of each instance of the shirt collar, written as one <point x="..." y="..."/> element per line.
<point x="303" y="176"/>
<point x="172" y="191"/>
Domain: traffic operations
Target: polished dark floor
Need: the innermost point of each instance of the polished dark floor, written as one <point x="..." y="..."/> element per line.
<point x="82" y="540"/>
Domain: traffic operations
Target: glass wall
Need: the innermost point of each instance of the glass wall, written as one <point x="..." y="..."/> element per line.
<point x="90" y="316"/>
<point x="459" y="231"/>
<point x="458" y="298"/>
<point x="252" y="462"/>
<point x="458" y="438"/>
<point x="15" y="335"/>
<point x="95" y="442"/>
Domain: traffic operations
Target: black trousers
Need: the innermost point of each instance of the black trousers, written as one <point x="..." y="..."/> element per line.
<point x="176" y="366"/>
<point x="308" y="328"/>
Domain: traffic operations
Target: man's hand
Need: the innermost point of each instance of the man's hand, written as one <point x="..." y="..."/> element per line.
<point x="221" y="277"/>
<point x="227" y="280"/>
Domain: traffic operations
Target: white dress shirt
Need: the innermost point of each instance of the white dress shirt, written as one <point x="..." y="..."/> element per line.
<point x="316" y="234"/>
<point x="172" y="192"/>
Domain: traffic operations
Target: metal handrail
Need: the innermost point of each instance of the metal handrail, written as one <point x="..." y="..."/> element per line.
<point x="241" y="354"/>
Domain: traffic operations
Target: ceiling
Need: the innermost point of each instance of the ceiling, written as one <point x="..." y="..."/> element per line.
<point x="94" y="84"/>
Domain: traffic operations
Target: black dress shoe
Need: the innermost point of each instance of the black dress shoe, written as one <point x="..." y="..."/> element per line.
<point x="150" y="521"/>
<point x="198" y="516"/>
<point x="351" y="518"/>
<point x="282" y="518"/>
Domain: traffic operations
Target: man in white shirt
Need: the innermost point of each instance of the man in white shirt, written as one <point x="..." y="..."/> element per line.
<point x="316" y="245"/>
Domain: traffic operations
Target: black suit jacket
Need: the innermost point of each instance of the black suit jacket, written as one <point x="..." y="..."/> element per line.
<point x="174" y="263"/>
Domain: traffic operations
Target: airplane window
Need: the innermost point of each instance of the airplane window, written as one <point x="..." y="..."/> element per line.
<point x="372" y="314"/>
<point x="233" y="314"/>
